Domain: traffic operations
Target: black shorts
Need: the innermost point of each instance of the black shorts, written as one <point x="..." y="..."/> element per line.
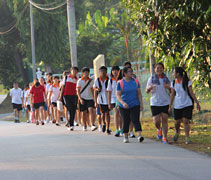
<point x="54" y="104"/>
<point x="17" y="106"/>
<point x="28" y="107"/>
<point x="87" y="104"/>
<point x="38" y="105"/>
<point x="186" y="112"/>
<point x="156" y="110"/>
<point x="104" y="108"/>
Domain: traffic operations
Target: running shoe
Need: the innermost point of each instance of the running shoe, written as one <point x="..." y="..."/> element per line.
<point x="57" y="124"/>
<point x="54" y="121"/>
<point x="18" y="121"/>
<point x="126" y="140"/>
<point x="117" y="133"/>
<point x="47" y="120"/>
<point x="108" y="131"/>
<point x="132" y="135"/>
<point x="71" y="128"/>
<point x="159" y="133"/>
<point x="176" y="136"/>
<point x="187" y="140"/>
<point x="37" y="123"/>
<point x="27" y="121"/>
<point x="84" y="128"/>
<point x="100" y="128"/>
<point x="121" y="132"/>
<point x="165" y="141"/>
<point x="140" y="138"/>
<point x="42" y="123"/>
<point x="94" y="127"/>
<point x="104" y="128"/>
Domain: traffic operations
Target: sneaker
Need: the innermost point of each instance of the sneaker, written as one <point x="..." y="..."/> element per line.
<point x="84" y="128"/>
<point x="187" y="140"/>
<point x="71" y="128"/>
<point x="121" y="132"/>
<point x="159" y="133"/>
<point x="42" y="123"/>
<point x="132" y="135"/>
<point x="37" y="123"/>
<point x="117" y="133"/>
<point x="16" y="121"/>
<point x="76" y="124"/>
<point x="57" y="124"/>
<point x="100" y="128"/>
<point x="47" y="120"/>
<point x="165" y="141"/>
<point x="94" y="127"/>
<point x="140" y="139"/>
<point x="54" y="121"/>
<point x="67" y="124"/>
<point x="176" y="136"/>
<point x="104" y="128"/>
<point x="108" y="131"/>
<point x="27" y="121"/>
<point x="126" y="140"/>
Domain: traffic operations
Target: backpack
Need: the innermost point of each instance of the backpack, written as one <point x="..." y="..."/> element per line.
<point x="100" y="86"/>
<point x="187" y="92"/>
<point x="121" y="83"/>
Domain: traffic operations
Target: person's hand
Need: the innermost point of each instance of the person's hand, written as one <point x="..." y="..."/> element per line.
<point x="169" y="110"/>
<point x="167" y="86"/>
<point x="81" y="101"/>
<point x="110" y="106"/>
<point x="96" y="104"/>
<point x="32" y="105"/>
<point x="141" y="108"/>
<point x="125" y="105"/>
<point x="198" y="106"/>
<point x="60" y="98"/>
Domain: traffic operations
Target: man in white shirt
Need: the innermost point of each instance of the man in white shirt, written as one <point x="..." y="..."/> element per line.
<point x="85" y="94"/>
<point x="17" y="101"/>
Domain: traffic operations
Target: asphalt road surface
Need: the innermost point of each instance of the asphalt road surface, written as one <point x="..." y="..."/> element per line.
<point x="30" y="152"/>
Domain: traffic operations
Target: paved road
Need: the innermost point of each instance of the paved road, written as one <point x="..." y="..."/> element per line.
<point x="52" y="153"/>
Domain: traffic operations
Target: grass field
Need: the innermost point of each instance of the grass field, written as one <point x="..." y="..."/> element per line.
<point x="3" y="90"/>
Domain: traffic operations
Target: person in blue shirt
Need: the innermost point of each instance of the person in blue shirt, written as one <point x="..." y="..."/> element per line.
<point x="129" y="97"/>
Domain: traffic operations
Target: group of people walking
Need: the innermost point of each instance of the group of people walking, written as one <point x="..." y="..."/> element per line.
<point x="80" y="101"/>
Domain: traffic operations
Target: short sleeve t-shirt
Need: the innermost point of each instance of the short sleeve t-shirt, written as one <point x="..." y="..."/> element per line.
<point x="26" y="97"/>
<point x="112" y="87"/>
<point x="55" y="93"/>
<point x="87" y="93"/>
<point x="129" y="93"/>
<point x="37" y="94"/>
<point x="70" y="85"/>
<point x="159" y="96"/>
<point x="182" y="99"/>
<point x="103" y="95"/>
<point x="16" y="95"/>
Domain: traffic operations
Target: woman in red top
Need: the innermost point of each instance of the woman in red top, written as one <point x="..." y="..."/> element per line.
<point x="37" y="99"/>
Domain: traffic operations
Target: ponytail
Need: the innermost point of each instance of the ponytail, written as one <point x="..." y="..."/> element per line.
<point x="183" y="74"/>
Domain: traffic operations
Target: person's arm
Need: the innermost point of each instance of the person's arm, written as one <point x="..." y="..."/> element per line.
<point x="119" y="98"/>
<point x="140" y="98"/>
<point x="194" y="97"/>
<point x="78" y="90"/>
<point x="109" y="99"/>
<point x="171" y="100"/>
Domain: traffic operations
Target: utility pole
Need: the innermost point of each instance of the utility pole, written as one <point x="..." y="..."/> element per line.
<point x="32" y="43"/>
<point x="72" y="31"/>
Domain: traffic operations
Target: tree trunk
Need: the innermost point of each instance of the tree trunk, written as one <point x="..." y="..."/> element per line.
<point x="19" y="63"/>
<point x="72" y="31"/>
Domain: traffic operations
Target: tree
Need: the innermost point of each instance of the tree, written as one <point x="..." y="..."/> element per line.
<point x="180" y="33"/>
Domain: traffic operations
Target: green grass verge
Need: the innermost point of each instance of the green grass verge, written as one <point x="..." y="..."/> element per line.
<point x="3" y="90"/>
<point x="6" y="106"/>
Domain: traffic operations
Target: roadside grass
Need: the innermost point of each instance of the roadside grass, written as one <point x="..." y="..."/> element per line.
<point x="6" y="106"/>
<point x="3" y="90"/>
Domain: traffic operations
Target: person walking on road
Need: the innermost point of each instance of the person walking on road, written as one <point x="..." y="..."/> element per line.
<point x="68" y="93"/>
<point x="183" y="96"/>
<point x="85" y="93"/>
<point x="129" y="97"/>
<point x="158" y="85"/>
<point x="17" y="101"/>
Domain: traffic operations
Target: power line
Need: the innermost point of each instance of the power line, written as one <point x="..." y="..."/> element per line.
<point x="47" y="9"/>
<point x="13" y="26"/>
<point x="45" y="5"/>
